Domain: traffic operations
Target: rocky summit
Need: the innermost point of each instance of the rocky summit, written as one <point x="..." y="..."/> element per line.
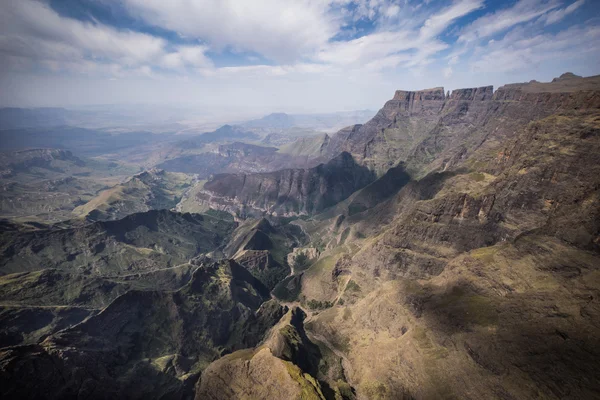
<point x="448" y="248"/>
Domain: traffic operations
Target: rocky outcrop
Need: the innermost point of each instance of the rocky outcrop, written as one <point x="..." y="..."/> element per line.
<point x="425" y="129"/>
<point x="283" y="367"/>
<point x="286" y="192"/>
<point x="309" y="255"/>
<point x="482" y="94"/>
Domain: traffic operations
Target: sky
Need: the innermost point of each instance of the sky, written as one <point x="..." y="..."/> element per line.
<point x="282" y="55"/>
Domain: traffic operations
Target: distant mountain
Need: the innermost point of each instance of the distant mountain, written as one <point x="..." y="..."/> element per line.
<point x="237" y="157"/>
<point x="150" y="190"/>
<point x="272" y="121"/>
<point x="85" y="142"/>
<point x="227" y="133"/>
<point x="45" y="185"/>
<point x="329" y="122"/>
<point x="15" y="118"/>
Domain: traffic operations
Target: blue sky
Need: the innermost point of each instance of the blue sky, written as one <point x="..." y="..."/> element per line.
<point x="283" y="55"/>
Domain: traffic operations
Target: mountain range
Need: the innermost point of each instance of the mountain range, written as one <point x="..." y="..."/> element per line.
<point x="449" y="247"/>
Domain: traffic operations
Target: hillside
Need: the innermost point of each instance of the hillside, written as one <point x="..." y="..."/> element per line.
<point x="150" y="190"/>
<point x="137" y="243"/>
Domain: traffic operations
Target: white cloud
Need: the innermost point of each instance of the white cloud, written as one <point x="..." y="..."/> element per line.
<point x="282" y="30"/>
<point x="437" y="23"/>
<point x="187" y="56"/>
<point x="392" y="11"/>
<point x="499" y="21"/>
<point x="406" y="47"/>
<point x="447" y="72"/>
<point x="520" y="50"/>
<point x="31" y="30"/>
<point x="315" y="56"/>
<point x="557" y="15"/>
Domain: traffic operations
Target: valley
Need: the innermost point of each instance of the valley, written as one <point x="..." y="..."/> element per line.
<point x="445" y="247"/>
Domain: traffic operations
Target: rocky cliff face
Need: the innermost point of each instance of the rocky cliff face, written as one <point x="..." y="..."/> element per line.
<point x="485" y="266"/>
<point x="427" y="129"/>
<point x="287" y="192"/>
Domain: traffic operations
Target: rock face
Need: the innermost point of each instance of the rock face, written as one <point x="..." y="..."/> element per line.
<point x="283" y="367"/>
<point x="426" y="128"/>
<point x="310" y="254"/>
<point x="483" y="268"/>
<point x="287" y="192"/>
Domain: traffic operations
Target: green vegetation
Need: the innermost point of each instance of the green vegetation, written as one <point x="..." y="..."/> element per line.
<point x="352" y="286"/>
<point x="301" y="261"/>
<point x="477" y="176"/>
<point x="319" y="305"/>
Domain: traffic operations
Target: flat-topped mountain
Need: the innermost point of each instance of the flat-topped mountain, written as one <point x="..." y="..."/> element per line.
<point x="430" y="126"/>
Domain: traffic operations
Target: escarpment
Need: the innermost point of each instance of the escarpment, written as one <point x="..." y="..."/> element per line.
<point x="426" y="128"/>
<point x="424" y="131"/>
<point x="287" y="192"/>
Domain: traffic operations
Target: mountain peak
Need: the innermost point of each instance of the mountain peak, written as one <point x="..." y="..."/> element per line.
<point x="565" y="76"/>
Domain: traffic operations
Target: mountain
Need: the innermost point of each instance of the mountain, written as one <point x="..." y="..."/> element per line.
<point x="449" y="248"/>
<point x="311" y="146"/>
<point x="137" y="243"/>
<point x="286" y="192"/>
<point x="82" y="141"/>
<point x="11" y="118"/>
<point x="45" y="185"/>
<point x="477" y="277"/>
<point x="227" y="132"/>
<point x="329" y="122"/>
<point x="231" y="156"/>
<point x="272" y="121"/>
<point x="153" y="189"/>
<point x="146" y="343"/>
<point x="428" y="128"/>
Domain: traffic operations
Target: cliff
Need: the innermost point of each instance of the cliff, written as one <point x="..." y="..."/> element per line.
<point x="426" y="128"/>
<point x="289" y="191"/>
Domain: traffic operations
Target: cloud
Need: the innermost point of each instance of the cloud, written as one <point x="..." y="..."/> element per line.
<point x="407" y="47"/>
<point x="33" y="32"/>
<point x="520" y="50"/>
<point x="555" y="16"/>
<point x="447" y="72"/>
<point x="306" y="47"/>
<point x="499" y="21"/>
<point x="437" y="23"/>
<point x="281" y="30"/>
<point x="187" y="56"/>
